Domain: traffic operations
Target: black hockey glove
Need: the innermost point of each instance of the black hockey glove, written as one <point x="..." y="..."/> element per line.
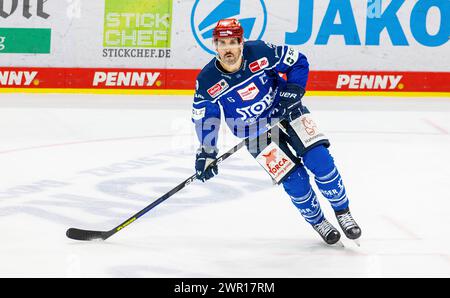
<point x="290" y="104"/>
<point x="204" y="157"/>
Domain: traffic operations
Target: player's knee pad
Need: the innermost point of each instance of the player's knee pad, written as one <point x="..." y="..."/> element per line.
<point x="273" y="154"/>
<point x="319" y="161"/>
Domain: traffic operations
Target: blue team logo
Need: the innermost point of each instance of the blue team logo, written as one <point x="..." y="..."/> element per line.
<point x="206" y="13"/>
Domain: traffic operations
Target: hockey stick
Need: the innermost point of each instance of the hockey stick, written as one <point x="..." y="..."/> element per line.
<point x="87" y="235"/>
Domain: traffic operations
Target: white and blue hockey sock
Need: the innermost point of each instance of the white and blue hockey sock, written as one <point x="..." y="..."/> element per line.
<point x="332" y="188"/>
<point x="319" y="161"/>
<point x="303" y="196"/>
<point x="309" y="207"/>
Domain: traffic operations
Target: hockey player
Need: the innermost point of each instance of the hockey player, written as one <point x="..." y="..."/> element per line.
<point x="244" y="80"/>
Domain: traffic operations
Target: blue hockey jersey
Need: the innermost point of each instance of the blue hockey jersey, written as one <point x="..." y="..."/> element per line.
<point x="247" y="97"/>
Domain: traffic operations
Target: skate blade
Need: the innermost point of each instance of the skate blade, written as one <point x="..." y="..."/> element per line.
<point x="338" y="244"/>
<point x="341" y="244"/>
<point x="357" y="242"/>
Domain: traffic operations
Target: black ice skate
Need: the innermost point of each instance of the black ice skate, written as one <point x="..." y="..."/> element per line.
<point x="348" y="224"/>
<point x="328" y="233"/>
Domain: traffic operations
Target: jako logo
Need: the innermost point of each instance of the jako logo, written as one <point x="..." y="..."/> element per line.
<point x="205" y="14"/>
<point x="379" y="19"/>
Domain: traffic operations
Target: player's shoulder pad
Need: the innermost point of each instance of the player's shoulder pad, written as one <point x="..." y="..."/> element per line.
<point x="256" y="49"/>
<point x="205" y="85"/>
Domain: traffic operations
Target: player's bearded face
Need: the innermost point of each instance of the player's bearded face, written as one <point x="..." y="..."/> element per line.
<point x="229" y="50"/>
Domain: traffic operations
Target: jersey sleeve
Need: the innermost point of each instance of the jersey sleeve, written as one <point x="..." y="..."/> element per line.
<point x="294" y="64"/>
<point x="205" y="116"/>
<point x="291" y="62"/>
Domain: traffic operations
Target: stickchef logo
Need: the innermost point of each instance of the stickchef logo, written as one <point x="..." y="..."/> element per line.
<point x="249" y="92"/>
<point x="137" y="29"/>
<point x="137" y="23"/>
<point x="252" y="15"/>
<point x="258" y="64"/>
<point x="369" y="81"/>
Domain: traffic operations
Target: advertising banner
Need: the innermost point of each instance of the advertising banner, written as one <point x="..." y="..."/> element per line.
<point x="97" y="79"/>
<point x="25" y="40"/>
<point x="352" y="45"/>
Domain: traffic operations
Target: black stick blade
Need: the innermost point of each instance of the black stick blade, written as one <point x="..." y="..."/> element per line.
<point x="85" y="235"/>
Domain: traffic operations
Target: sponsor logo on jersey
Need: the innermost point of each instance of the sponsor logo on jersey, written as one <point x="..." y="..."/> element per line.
<point x="271" y="157"/>
<point x="291" y="57"/>
<point x="198" y="114"/>
<point x="250" y="113"/>
<point x="370" y="82"/>
<point x="18" y="78"/>
<point x="249" y="92"/>
<point x="128" y="79"/>
<point x="218" y="88"/>
<point x="277" y="165"/>
<point x="259" y="64"/>
<point x="307" y="130"/>
<point x="309" y="126"/>
<point x="275" y="161"/>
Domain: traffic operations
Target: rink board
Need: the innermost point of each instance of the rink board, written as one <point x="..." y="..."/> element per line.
<point x="182" y="81"/>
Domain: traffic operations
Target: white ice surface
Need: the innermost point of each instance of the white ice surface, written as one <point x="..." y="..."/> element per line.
<point x="92" y="161"/>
